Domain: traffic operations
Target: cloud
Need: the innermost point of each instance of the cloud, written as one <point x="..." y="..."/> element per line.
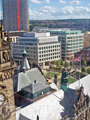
<point x="36" y="1"/>
<point x="1" y="15"/>
<point x="47" y="9"/>
<point x="72" y="11"/>
<point x="74" y="2"/>
<point x="67" y="12"/>
<point x="62" y="2"/>
<point x="89" y="4"/>
<point x="35" y="14"/>
<point x="47" y="1"/>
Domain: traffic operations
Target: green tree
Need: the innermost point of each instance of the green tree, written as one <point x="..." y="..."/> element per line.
<point x="88" y="70"/>
<point x="61" y="62"/>
<point x="83" y="69"/>
<point x="71" y="63"/>
<point x="66" y="64"/>
<point x="60" y="68"/>
<point x="84" y="62"/>
<point x="58" y="63"/>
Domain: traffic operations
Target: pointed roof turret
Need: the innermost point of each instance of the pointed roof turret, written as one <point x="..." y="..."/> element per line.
<point x="25" y="65"/>
<point x="24" y="53"/>
<point x="64" y="80"/>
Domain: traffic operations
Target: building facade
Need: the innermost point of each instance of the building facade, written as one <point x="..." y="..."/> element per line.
<point x="85" y="54"/>
<point x="7" y="106"/>
<point x="41" y="48"/>
<point x="15" y="15"/>
<point x="86" y="42"/>
<point x="71" y="42"/>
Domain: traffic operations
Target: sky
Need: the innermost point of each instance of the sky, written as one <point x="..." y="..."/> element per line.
<point x="57" y="9"/>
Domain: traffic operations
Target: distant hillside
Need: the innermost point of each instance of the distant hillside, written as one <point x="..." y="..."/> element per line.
<point x="81" y="24"/>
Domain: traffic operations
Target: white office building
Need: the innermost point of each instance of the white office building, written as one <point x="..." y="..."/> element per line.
<point x="42" y="49"/>
<point x="15" y="15"/>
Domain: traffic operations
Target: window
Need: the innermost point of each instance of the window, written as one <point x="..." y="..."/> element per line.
<point x="87" y="58"/>
<point x="82" y="58"/>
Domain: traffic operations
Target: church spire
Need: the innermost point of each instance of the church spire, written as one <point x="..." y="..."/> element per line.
<point x="24" y="65"/>
<point x="64" y="80"/>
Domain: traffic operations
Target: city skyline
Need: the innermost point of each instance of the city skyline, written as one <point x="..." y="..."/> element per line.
<point x="59" y="9"/>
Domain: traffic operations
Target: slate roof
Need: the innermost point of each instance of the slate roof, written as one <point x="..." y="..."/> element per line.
<point x="56" y="105"/>
<point x="35" y="87"/>
<point x="23" y="79"/>
<point x="21" y="117"/>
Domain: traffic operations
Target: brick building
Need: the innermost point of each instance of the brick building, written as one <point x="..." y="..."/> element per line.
<point x="85" y="54"/>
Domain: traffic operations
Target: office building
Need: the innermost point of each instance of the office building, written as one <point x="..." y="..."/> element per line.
<point x="15" y="15"/>
<point x="71" y="42"/>
<point x="42" y="49"/>
<point x="86" y="41"/>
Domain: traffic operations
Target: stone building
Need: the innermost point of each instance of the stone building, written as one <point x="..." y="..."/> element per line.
<point x="72" y="102"/>
<point x="7" y="106"/>
<point x="86" y="42"/>
<point x="80" y="110"/>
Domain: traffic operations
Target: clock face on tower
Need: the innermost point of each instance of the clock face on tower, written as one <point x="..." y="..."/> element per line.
<point x="2" y="98"/>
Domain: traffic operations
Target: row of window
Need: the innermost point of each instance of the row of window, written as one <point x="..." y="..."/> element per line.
<point x="27" y="43"/>
<point x="85" y="54"/>
<point x="74" y="37"/>
<point x="49" y="54"/>
<point x="43" y="59"/>
<point x="21" y="47"/>
<point x="54" y="46"/>
<point x="49" y="51"/>
<point x="48" y="43"/>
<point x="75" y="44"/>
<point x="84" y="58"/>
<point x="79" y="40"/>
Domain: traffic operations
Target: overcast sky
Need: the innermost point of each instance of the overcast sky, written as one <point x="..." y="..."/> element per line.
<point x="57" y="9"/>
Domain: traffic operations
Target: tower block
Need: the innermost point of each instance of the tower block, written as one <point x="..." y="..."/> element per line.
<point x="64" y="80"/>
<point x="7" y="107"/>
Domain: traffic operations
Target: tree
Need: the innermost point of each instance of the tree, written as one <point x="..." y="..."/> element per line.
<point x="66" y="64"/>
<point x="71" y="63"/>
<point x="84" y="62"/>
<point x="83" y="69"/>
<point x="88" y="70"/>
<point x="61" y="62"/>
<point x="58" y="63"/>
<point x="60" y="68"/>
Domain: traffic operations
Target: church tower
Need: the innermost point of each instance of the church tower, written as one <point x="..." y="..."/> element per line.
<point x="7" y="107"/>
<point x="64" y="80"/>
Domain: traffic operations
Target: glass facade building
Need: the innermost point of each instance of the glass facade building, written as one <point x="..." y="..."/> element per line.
<point x="71" y="42"/>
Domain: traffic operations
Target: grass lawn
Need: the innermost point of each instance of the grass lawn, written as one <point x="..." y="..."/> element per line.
<point x="70" y="79"/>
<point x="51" y="74"/>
